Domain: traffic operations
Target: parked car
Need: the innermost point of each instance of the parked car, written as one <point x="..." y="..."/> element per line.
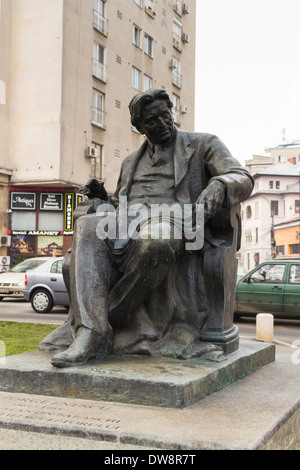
<point x="12" y="282"/>
<point x="272" y="287"/>
<point x="45" y="287"/>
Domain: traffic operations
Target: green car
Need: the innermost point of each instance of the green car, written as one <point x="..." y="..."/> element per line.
<point x="272" y="287"/>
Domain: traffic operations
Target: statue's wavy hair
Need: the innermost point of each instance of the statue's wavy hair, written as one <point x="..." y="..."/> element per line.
<point x="139" y="101"/>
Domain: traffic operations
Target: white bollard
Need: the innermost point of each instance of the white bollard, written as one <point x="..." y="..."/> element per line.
<point x="265" y="327"/>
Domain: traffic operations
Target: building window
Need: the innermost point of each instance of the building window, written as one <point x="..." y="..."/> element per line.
<point x="147" y="82"/>
<point x="136" y="36"/>
<point x="248" y="236"/>
<point x="99" y="68"/>
<point x="23" y="220"/>
<point x="297" y="207"/>
<point x="149" y="4"/>
<point x="256" y="235"/>
<point x="97" y="163"/>
<point x="277" y="184"/>
<point x="274" y="208"/>
<point x="281" y="158"/>
<point x="294" y="249"/>
<point x="176" y="109"/>
<point x="100" y="21"/>
<point x="98" y="108"/>
<point x="271" y="184"/>
<point x="176" y="75"/>
<point x="280" y="250"/>
<point x="248" y="212"/>
<point x="177" y="31"/>
<point x="148" y="45"/>
<point x="51" y="221"/>
<point x="139" y="3"/>
<point x="136" y="78"/>
<point x="177" y="6"/>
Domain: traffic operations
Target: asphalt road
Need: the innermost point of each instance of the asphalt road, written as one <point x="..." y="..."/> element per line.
<point x="21" y="311"/>
<point x="285" y="331"/>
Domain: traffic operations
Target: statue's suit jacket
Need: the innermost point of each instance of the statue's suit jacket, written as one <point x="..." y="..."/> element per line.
<point x="198" y="159"/>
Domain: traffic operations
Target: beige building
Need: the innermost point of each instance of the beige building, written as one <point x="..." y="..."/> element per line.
<point x="68" y="69"/>
<point x="274" y="201"/>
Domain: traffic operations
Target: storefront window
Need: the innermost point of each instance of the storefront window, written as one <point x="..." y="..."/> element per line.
<point x="23" y="220"/>
<point x="51" y="221"/>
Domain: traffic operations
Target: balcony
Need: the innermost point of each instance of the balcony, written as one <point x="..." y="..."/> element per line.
<point x="99" y="70"/>
<point x="176" y="78"/>
<point x="100" y="23"/>
<point x="176" y="42"/>
<point x="98" y="117"/>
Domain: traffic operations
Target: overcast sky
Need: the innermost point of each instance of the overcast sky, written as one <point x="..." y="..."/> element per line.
<point x="248" y="73"/>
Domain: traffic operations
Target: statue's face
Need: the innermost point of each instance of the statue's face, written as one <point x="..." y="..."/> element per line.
<point x="157" y="122"/>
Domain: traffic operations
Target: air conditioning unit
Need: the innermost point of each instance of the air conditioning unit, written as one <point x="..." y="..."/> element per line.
<point x="185" y="9"/>
<point x="5" y="240"/>
<point x="184" y="109"/>
<point x="173" y="64"/>
<point x="91" y="152"/>
<point x="4" y="269"/>
<point x="185" y="37"/>
<point x="5" y="260"/>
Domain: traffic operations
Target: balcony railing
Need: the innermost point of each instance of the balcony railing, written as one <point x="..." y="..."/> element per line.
<point x="99" y="70"/>
<point x="98" y="117"/>
<point x="176" y="42"/>
<point x="176" y="78"/>
<point x="176" y="116"/>
<point x="100" y="23"/>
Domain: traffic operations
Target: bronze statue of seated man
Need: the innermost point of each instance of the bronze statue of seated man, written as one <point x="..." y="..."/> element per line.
<point x="155" y="295"/>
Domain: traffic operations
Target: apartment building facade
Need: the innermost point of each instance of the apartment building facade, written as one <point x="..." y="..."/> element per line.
<point x="274" y="201"/>
<point x="69" y="69"/>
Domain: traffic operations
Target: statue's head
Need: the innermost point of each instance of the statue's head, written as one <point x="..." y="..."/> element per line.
<point x="151" y="115"/>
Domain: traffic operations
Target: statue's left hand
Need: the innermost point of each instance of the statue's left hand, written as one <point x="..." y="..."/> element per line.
<point x="212" y="198"/>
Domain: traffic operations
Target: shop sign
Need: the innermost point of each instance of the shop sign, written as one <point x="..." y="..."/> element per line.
<point x="51" y="201"/>
<point x="36" y="232"/>
<point x="22" y="201"/>
<point x="79" y="198"/>
<point x="69" y="207"/>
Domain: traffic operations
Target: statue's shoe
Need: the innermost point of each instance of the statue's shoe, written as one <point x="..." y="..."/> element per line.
<point x="87" y="345"/>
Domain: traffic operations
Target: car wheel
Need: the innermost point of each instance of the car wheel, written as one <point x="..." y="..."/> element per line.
<point x="41" y="301"/>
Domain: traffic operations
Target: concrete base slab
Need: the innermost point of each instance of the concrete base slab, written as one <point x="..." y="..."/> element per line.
<point x="137" y="380"/>
<point x="259" y="411"/>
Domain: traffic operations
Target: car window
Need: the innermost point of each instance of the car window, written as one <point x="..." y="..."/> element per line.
<point x="295" y="274"/>
<point x="269" y="273"/>
<point x="26" y="265"/>
<point x="56" y="267"/>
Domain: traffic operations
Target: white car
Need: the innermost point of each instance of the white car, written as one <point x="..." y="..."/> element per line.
<point x="12" y="282"/>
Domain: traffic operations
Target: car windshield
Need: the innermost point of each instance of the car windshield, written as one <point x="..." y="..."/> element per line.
<point x="26" y="265"/>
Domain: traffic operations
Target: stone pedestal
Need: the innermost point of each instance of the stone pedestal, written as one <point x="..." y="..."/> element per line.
<point x="136" y="380"/>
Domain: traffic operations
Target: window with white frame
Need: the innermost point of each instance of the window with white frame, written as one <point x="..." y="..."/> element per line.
<point x="177" y="6"/>
<point x="136" y="36"/>
<point x="136" y="78"/>
<point x="148" y="45"/>
<point x="99" y="68"/>
<point x="97" y="163"/>
<point x="147" y="82"/>
<point x="100" y="20"/>
<point x="177" y="31"/>
<point x="176" y="108"/>
<point x="176" y="73"/>
<point x="98" y="108"/>
<point x="149" y="4"/>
